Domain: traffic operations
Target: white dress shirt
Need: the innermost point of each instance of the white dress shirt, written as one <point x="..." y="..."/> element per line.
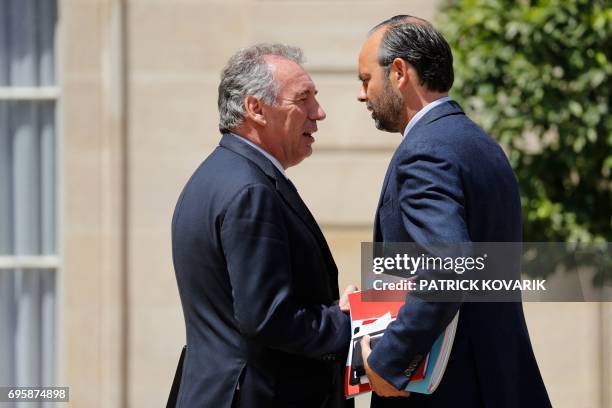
<point x="262" y="151"/>
<point x="423" y="111"/>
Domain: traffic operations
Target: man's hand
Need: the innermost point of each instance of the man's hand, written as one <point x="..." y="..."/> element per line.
<point x="344" y="303"/>
<point x="379" y="385"/>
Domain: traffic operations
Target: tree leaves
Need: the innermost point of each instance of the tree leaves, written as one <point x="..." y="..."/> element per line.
<point x="536" y="76"/>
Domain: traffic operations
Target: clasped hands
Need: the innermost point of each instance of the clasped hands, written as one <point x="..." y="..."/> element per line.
<point x="378" y="384"/>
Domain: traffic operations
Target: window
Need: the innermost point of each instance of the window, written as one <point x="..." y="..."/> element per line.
<point x="29" y="258"/>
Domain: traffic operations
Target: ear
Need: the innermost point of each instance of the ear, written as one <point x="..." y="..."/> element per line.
<point x="400" y="72"/>
<point x="253" y="108"/>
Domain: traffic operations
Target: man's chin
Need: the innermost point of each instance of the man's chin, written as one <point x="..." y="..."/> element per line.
<point x="385" y="127"/>
<point x="306" y="153"/>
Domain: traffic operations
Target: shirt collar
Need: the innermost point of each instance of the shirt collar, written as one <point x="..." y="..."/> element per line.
<point x="262" y="151"/>
<point x="419" y="115"/>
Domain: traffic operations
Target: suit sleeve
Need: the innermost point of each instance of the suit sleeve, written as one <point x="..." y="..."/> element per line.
<point x="431" y="201"/>
<point x="254" y="240"/>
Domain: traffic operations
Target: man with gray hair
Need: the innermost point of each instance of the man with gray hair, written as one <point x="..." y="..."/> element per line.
<point x="258" y="284"/>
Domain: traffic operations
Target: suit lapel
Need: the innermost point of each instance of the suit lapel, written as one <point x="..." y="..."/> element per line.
<point x="292" y="197"/>
<point x="286" y="190"/>
<point x="230" y="142"/>
<point x="445" y="109"/>
<point x="377" y="232"/>
<point x="440" y="111"/>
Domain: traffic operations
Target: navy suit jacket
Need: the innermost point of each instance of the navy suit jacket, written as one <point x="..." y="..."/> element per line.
<point x="258" y="287"/>
<point x="449" y="182"/>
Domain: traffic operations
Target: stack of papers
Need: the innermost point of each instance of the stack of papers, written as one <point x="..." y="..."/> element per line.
<point x="372" y="318"/>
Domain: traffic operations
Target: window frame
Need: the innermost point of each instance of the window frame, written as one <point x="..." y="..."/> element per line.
<point x="47" y="263"/>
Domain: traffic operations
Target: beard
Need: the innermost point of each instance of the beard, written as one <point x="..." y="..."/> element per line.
<point x="387" y="109"/>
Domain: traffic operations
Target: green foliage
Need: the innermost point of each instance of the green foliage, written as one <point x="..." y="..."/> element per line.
<point x="536" y="76"/>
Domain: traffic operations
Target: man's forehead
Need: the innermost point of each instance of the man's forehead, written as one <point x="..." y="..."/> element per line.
<point x="369" y="50"/>
<point x="282" y="66"/>
<point x="290" y="75"/>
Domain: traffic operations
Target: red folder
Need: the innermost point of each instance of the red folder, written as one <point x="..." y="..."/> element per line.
<point x="367" y="311"/>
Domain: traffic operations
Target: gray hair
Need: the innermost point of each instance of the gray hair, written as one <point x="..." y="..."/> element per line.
<point x="248" y="74"/>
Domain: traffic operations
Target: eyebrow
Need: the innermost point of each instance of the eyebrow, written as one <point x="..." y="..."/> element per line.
<point x="306" y="92"/>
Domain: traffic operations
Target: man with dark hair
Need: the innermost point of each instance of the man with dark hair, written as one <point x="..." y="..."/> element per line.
<point x="447" y="182"/>
<point x="257" y="281"/>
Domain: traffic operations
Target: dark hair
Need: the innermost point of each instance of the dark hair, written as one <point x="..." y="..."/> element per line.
<point x="416" y="41"/>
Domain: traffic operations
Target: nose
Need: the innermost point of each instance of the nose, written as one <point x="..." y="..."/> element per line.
<point x="318" y="112"/>
<point x="362" y="96"/>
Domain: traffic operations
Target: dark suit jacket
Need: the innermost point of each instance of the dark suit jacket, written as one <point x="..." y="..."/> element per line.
<point x="257" y="284"/>
<point x="449" y="182"/>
